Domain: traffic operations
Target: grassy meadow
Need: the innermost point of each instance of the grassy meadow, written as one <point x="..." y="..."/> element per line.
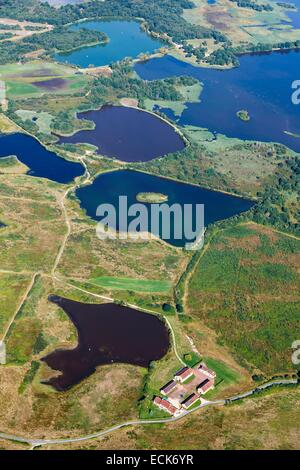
<point x="6" y="126"/>
<point x="246" y="288"/>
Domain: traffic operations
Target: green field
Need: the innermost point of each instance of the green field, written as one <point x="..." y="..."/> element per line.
<point x="190" y="94"/>
<point x="268" y="422"/>
<point x="137" y="285"/>
<point x="42" y="119"/>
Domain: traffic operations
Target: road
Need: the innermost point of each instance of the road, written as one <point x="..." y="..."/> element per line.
<point x="144" y="422"/>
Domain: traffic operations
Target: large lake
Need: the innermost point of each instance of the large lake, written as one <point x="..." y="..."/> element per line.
<point x="40" y="161"/>
<point x="128" y="134"/>
<point x="126" y="39"/>
<point x="262" y="85"/>
<point x="107" y="334"/>
<point x="107" y="188"/>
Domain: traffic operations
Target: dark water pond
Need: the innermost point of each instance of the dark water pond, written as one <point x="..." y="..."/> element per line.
<point x="109" y="186"/>
<point x="41" y="161"/>
<point x="262" y="85"/>
<point x="128" y="134"/>
<point x="107" y="334"/>
<point x="126" y="39"/>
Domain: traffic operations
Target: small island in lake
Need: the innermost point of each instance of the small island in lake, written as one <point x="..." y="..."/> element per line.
<point x="243" y="115"/>
<point x="152" y="198"/>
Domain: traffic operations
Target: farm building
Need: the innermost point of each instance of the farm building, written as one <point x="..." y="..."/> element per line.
<point x="183" y="374"/>
<point x="191" y="400"/>
<point x="205" y="386"/>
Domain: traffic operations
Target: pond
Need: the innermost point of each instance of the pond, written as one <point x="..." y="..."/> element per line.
<point x="107" y="333"/>
<point x="126" y="39"/>
<point x="128" y="134"/>
<point x="40" y="161"/>
<point x="262" y="85"/>
<point x="107" y="188"/>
